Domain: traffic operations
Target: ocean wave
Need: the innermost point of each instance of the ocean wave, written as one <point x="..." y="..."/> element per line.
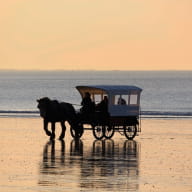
<point x="18" y="113"/>
<point x="144" y="114"/>
<point x="166" y="114"/>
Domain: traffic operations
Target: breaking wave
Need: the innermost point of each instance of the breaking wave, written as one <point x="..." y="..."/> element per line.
<point x="144" y="114"/>
<point x="165" y="114"/>
<point x="18" y="113"/>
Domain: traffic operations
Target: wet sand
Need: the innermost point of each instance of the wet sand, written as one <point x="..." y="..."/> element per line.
<point x="159" y="159"/>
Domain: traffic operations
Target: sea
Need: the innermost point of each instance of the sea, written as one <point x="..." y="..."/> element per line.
<point x="165" y="94"/>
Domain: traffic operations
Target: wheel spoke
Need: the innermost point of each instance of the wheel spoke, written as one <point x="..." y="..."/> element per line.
<point x="109" y="132"/>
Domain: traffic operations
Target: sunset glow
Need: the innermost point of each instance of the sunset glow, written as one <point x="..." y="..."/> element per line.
<point x="98" y="35"/>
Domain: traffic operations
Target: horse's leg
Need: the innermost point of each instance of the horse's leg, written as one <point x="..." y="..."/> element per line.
<point x="53" y="130"/>
<point x="63" y="130"/>
<point x="45" y="124"/>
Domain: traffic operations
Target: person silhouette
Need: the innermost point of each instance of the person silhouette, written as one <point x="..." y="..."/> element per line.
<point x="88" y="106"/>
<point x="121" y="101"/>
<point x="103" y="105"/>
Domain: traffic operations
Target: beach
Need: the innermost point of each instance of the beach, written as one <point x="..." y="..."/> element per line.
<point x="159" y="159"/>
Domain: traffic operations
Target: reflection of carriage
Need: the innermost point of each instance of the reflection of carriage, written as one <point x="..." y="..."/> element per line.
<point x="101" y="164"/>
<point x="122" y="117"/>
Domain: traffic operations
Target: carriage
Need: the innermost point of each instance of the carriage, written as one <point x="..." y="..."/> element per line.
<point x="123" y="111"/>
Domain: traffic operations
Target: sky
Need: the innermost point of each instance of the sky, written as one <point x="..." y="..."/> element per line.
<point x="96" y="34"/>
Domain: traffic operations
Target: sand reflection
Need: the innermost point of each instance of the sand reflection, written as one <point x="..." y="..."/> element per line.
<point x="107" y="165"/>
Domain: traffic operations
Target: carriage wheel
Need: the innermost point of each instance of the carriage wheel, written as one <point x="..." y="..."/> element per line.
<point x="130" y="131"/>
<point x="109" y="131"/>
<point x="75" y="133"/>
<point x="98" y="131"/>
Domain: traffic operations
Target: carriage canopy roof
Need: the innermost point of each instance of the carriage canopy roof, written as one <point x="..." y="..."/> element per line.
<point x="108" y="89"/>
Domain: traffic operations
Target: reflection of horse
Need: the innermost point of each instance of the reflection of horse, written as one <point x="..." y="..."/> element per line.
<point x="54" y="159"/>
<point x="50" y="158"/>
<point x="52" y="111"/>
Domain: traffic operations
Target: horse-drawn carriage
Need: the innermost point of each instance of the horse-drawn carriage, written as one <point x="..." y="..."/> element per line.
<point x="119" y="112"/>
<point x="122" y="115"/>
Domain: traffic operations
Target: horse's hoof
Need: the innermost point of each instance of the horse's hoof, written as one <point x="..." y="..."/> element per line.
<point x="52" y="137"/>
<point x="48" y="133"/>
<point x="61" y="138"/>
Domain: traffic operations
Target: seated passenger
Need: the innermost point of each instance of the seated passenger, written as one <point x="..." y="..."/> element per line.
<point x="103" y="105"/>
<point x="88" y="105"/>
<point x="121" y="101"/>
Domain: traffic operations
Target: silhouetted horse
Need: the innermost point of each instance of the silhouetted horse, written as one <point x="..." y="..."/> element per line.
<point x="53" y="111"/>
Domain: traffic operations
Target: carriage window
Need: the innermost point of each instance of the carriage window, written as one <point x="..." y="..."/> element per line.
<point x="121" y="99"/>
<point x="133" y="99"/>
<point x="97" y="98"/>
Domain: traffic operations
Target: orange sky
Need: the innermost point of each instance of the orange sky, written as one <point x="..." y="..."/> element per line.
<point x="96" y="34"/>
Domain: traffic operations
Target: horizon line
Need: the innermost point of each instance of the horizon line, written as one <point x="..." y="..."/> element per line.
<point x="57" y="70"/>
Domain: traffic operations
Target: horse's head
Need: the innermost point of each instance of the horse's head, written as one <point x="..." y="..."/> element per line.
<point x="42" y="106"/>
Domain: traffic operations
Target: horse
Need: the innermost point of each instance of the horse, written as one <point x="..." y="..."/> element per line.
<point x="53" y="111"/>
